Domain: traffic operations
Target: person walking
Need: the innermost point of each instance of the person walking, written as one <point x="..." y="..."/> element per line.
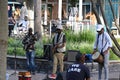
<point x="78" y="71"/>
<point x="102" y="44"/>
<point x="29" y="41"/>
<point x="59" y="48"/>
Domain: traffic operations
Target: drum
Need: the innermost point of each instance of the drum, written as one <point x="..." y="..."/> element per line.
<point x="24" y="76"/>
<point x="97" y="57"/>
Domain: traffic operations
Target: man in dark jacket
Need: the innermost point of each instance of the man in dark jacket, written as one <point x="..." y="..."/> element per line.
<point x="78" y="71"/>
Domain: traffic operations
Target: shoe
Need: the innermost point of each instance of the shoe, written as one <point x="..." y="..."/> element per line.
<point x="52" y="76"/>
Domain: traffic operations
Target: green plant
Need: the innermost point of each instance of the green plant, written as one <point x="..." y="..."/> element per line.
<point x="113" y="56"/>
<point x="18" y="51"/>
<point x="84" y="36"/>
<point x="83" y="41"/>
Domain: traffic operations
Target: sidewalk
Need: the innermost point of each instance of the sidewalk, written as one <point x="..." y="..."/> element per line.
<point x="114" y="72"/>
<point x="115" y="75"/>
<point x="14" y="76"/>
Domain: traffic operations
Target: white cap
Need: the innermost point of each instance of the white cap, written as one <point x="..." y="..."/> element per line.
<point x="99" y="27"/>
<point x="59" y="27"/>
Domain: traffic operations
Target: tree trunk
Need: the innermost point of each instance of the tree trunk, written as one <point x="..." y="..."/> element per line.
<point x="114" y="17"/>
<point x="37" y="17"/>
<point x="111" y="35"/>
<point x="3" y="37"/>
<point x="95" y="11"/>
<point x="99" y="21"/>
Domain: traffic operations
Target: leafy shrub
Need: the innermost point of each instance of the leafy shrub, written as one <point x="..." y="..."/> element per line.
<point x="82" y="41"/>
<point x="83" y="47"/>
<point x="113" y="56"/>
<point x="84" y="36"/>
<point x="15" y="46"/>
<point x="18" y="51"/>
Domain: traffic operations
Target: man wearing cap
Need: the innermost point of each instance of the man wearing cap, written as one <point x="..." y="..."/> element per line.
<point x="103" y="44"/>
<point x="78" y="71"/>
<point x="59" y="48"/>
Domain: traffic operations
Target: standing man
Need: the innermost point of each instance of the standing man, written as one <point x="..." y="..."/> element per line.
<point x="103" y="44"/>
<point x="29" y="41"/>
<point x="78" y="71"/>
<point x="59" y="48"/>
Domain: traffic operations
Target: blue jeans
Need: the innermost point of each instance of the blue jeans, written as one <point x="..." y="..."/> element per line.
<point x="30" y="60"/>
<point x="106" y="68"/>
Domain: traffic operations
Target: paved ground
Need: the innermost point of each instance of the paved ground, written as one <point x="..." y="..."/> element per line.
<point x="114" y="73"/>
<point x="14" y="75"/>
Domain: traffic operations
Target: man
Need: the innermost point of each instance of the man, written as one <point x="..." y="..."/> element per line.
<point x="103" y="44"/>
<point x="59" y="48"/>
<point x="78" y="71"/>
<point x="29" y="41"/>
<point x="24" y="24"/>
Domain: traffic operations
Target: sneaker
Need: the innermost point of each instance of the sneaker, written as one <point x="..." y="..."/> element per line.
<point x="52" y="76"/>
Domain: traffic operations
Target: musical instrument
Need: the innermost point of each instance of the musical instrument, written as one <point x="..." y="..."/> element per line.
<point x="24" y="76"/>
<point x="30" y="40"/>
<point x="97" y="57"/>
<point x="55" y="47"/>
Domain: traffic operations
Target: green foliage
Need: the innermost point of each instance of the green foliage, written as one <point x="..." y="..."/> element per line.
<point x="15" y="46"/>
<point x="83" y="41"/>
<point x="18" y="51"/>
<point x="39" y="48"/>
<point x="84" y="36"/>
<point x="14" y="43"/>
<point x="83" y="47"/>
<point x="113" y="56"/>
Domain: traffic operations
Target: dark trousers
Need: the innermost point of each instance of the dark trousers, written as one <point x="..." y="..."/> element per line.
<point x="30" y="60"/>
<point x="10" y="28"/>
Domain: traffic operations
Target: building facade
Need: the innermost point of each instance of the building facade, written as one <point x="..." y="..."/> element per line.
<point x="54" y="9"/>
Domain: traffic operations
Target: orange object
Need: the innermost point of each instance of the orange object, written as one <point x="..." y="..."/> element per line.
<point x="24" y="76"/>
